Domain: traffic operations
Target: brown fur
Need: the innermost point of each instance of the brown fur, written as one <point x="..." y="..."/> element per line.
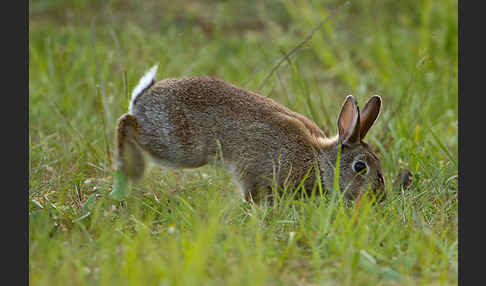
<point x="189" y="122"/>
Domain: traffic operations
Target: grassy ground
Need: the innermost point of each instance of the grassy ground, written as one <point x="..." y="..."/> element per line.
<point x="189" y="227"/>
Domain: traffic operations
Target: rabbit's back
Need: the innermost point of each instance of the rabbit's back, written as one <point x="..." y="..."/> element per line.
<point x="185" y="121"/>
<point x="215" y="102"/>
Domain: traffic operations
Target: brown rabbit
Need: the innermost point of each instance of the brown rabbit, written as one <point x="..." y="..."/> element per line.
<point x="188" y="122"/>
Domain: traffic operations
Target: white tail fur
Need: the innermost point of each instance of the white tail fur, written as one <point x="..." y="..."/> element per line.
<point x="144" y="82"/>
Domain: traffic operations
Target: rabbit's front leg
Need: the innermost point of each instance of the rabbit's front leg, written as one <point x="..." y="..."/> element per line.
<point x="251" y="189"/>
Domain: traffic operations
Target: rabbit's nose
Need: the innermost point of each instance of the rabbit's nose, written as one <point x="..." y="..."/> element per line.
<point x="380" y="191"/>
<point x="381" y="195"/>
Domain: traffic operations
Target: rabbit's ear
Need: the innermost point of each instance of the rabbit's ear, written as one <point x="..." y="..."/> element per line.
<point x="368" y="115"/>
<point x="348" y="122"/>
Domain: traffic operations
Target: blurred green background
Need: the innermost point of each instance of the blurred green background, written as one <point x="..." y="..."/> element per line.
<point x="86" y="56"/>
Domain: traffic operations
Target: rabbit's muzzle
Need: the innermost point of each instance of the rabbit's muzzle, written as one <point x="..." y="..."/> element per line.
<point x="376" y="186"/>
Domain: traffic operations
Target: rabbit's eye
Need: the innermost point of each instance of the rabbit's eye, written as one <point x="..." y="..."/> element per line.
<point x="359" y="167"/>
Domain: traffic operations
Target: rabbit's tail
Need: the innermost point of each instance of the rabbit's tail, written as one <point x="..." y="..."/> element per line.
<point x="128" y="157"/>
<point x="145" y="82"/>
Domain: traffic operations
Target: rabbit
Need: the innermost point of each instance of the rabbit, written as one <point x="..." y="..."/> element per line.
<point x="192" y="121"/>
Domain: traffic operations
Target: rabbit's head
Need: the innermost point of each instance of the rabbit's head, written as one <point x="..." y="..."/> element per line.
<point x="359" y="167"/>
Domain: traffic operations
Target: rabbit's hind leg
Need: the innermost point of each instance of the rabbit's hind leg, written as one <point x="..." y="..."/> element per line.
<point x="128" y="157"/>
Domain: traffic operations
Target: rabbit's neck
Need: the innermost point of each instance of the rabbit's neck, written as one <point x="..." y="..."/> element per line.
<point x="328" y="150"/>
<point x="327" y="143"/>
<point x="327" y="160"/>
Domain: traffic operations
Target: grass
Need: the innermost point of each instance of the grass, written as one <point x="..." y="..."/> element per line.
<point x="189" y="227"/>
